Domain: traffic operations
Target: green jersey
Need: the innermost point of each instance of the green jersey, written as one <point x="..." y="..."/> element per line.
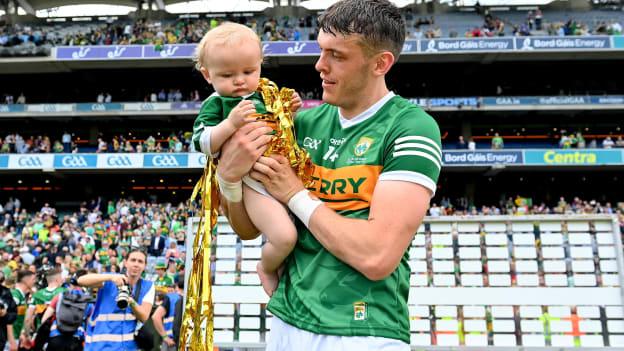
<point x="215" y="109"/>
<point x="394" y="140"/>
<point x="22" y="305"/>
<point x="41" y="300"/>
<point x="104" y="256"/>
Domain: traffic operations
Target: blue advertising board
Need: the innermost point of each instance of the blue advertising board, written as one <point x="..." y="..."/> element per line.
<point x="4" y="161"/>
<point x="466" y="45"/>
<point x="563" y="43"/>
<point x="165" y="160"/>
<point x="618" y="42"/>
<point x="98" y="107"/>
<point x="572" y="157"/>
<point x="75" y="161"/>
<point x="452" y="158"/>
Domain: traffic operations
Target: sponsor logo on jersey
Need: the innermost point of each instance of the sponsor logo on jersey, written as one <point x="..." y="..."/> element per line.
<point x="311" y="143"/>
<point x="359" y="311"/>
<point x="362" y="146"/>
<point x="347" y="188"/>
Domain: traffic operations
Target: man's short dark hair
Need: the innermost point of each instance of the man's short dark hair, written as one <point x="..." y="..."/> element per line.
<point x="379" y="23"/>
<point x="23" y="274"/>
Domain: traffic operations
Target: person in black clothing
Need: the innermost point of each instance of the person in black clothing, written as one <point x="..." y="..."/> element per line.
<point x="8" y="311"/>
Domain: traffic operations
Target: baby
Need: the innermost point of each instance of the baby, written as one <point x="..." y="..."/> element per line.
<point x="229" y="57"/>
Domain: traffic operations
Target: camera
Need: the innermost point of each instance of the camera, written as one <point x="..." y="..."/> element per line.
<point x="3" y="305"/>
<point x="123" y="297"/>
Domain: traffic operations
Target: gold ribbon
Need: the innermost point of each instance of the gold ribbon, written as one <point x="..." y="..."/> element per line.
<point x="197" y="323"/>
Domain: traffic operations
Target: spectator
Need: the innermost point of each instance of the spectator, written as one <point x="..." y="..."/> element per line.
<point x="66" y="139"/>
<point x="461" y="143"/>
<point x="472" y="146"/>
<point x="21" y="99"/>
<point x="497" y="142"/>
<point x="102" y="146"/>
<point x="608" y="143"/>
<point x="164" y="316"/>
<point x="619" y="142"/>
<point x="108" y="99"/>
<point x="100" y="98"/>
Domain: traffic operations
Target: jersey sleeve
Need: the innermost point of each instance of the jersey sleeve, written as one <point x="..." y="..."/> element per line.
<point x="210" y="114"/>
<point x="413" y="151"/>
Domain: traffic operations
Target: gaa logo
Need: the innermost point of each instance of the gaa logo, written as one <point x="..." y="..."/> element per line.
<point x="74" y="161"/>
<point x="165" y="161"/>
<point x="120" y="161"/>
<point x="29" y="161"/>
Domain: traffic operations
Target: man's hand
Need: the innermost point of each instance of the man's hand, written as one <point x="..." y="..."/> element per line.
<point x="119" y="280"/>
<point x="277" y="176"/>
<point x="12" y="345"/>
<point x="169" y="341"/>
<point x="296" y="103"/>
<point x="239" y="114"/>
<point x="242" y="150"/>
<point x="3" y="312"/>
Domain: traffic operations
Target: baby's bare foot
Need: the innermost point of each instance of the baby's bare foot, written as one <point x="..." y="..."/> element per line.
<point x="269" y="280"/>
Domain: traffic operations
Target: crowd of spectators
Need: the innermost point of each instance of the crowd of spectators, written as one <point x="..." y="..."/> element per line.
<point x="565" y="141"/>
<point x="278" y="29"/>
<point x="174" y="142"/>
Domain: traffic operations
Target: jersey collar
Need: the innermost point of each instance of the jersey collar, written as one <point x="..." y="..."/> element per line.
<point x="346" y="123"/>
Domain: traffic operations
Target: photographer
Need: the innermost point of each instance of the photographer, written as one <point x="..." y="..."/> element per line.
<point x="8" y="311"/>
<point x="122" y="301"/>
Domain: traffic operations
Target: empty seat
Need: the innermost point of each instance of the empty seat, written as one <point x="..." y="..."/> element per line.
<point x="418" y="253"/>
<point x="496" y="239"/>
<point x="504" y="340"/>
<point x="535" y="340"/>
<point x="604" y="238"/>
<point x="524" y="252"/>
<point x="444" y="279"/>
<point x="610" y="280"/>
<point x="551" y="239"/>
<point x="420" y="339"/>
<point x="226" y="239"/>
<point x="588" y="311"/>
<point x="583" y="266"/>
<point x="559" y="311"/>
<point x="470" y="266"/>
<point x="499" y="280"/>
<point x="418" y="311"/>
<point x="552" y="266"/>
<point x="420" y="325"/>
<point x="498" y="266"/>
<point x="530" y="312"/>
<point x="468" y="240"/>
<point x="249" y="265"/>
<point x="419" y="240"/>
<point x="249" y="309"/>
<point x="495" y="227"/>
<point x="471" y="280"/>
<point x="603" y="226"/>
<point x="614" y="312"/>
<point x="592" y="341"/>
<point x="526" y="266"/>
<point x="473" y="311"/>
<point x="468" y="227"/>
<point x="225" y="279"/>
<point x="608" y="266"/>
<point x="223" y="336"/>
<point x="615" y="326"/>
<point x="443" y="266"/>
<point x="223" y="309"/>
<point x="527" y="280"/>
<point x="606" y="252"/>
<point x="504" y="325"/>
<point x="446" y="311"/>
<point x="225" y="265"/>
<point x="249" y="322"/>
<point x="225" y="252"/>
<point x="253" y="242"/>
<point x="419" y="280"/>
<point x="250" y="279"/>
<point x="442" y="239"/>
<point x="448" y="340"/>
<point x="553" y="252"/>
<point x="550" y="227"/>
<point x="616" y="340"/>
<point x="474" y="325"/>
<point x="590" y="326"/>
<point x="497" y="252"/>
<point x="524" y="239"/>
<point x="447" y="325"/>
<point x="562" y="340"/>
<point x="476" y="340"/>
<point x="442" y="253"/>
<point x="518" y="227"/>
<point x="502" y="311"/>
<point x="248" y="336"/>
<point x="574" y="226"/>
<point x="581" y="252"/>
<point x="418" y="266"/>
<point x="440" y="227"/>
<point x="584" y="280"/>
<point x="469" y="252"/>
<point x="223" y="322"/>
<point x="579" y="239"/>
<point x="555" y="280"/>
<point x="560" y="326"/>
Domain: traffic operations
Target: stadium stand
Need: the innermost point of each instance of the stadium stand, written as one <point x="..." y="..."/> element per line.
<point x="530" y="281"/>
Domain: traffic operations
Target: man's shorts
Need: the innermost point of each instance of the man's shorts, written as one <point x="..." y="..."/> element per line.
<point x="285" y="337"/>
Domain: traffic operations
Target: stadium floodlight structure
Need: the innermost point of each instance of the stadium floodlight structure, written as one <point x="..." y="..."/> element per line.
<point x="218" y="6"/>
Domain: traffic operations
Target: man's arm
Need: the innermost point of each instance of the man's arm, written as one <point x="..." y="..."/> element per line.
<point x="142" y="311"/>
<point x="237" y="157"/>
<point x="97" y="280"/>
<point x="374" y="246"/>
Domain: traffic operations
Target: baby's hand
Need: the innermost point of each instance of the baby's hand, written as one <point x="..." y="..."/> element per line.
<point x="239" y="114"/>
<point x="296" y="103"/>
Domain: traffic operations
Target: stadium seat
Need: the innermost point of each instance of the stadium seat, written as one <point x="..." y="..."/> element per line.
<point x="590" y="326"/>
<point x="579" y="239"/>
<point x="443" y="266"/>
<point x="547" y="226"/>
<point x="583" y="266"/>
<point x="418" y="311"/>
<point x="581" y="252"/>
<point x="469" y="253"/>
<point x="608" y="266"/>
<point x="468" y="240"/>
<point x="226" y="240"/>
<point x="551" y="239"/>
<point x="584" y="280"/>
<point x="420" y="325"/>
<point x="471" y="266"/>
<point x="526" y="266"/>
<point x="471" y="280"/>
<point x="533" y="340"/>
<point x="444" y="280"/>
<point x="504" y="340"/>
<point x="562" y="340"/>
<point x="524" y="252"/>
<point x="606" y="252"/>
<point x="604" y="238"/>
<point x="442" y="239"/>
<point x="495" y="227"/>
<point x="499" y="280"/>
<point x="418" y="266"/>
<point x="440" y="227"/>
<point x="468" y="227"/>
<point x="578" y="226"/>
<point x="420" y="339"/>
<point x="530" y="312"/>
<point x="495" y="239"/>
<point x="555" y="280"/>
<point x="497" y="252"/>
<point x="419" y="280"/>
<point x="418" y="253"/>
<point x="442" y="253"/>
<point x="522" y="227"/>
<point x="528" y="280"/>
<point x="524" y="239"/>
<point x="448" y="340"/>
<point x="503" y="325"/>
<point x="552" y="252"/>
<point x="498" y="266"/>
<point x="591" y="341"/>
<point x="588" y="311"/>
